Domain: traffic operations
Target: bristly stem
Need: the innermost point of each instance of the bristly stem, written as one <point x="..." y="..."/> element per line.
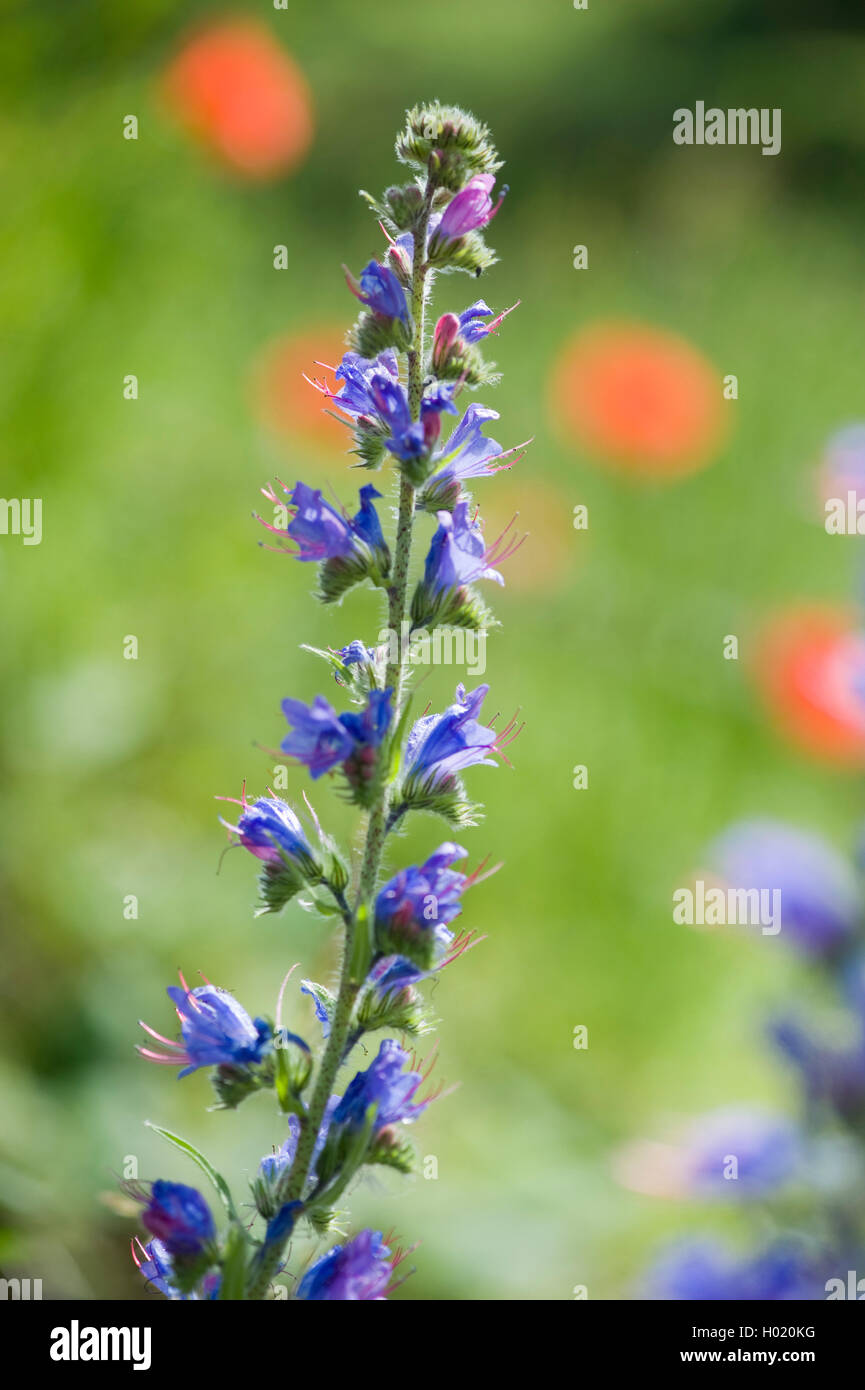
<point x="377" y="824"/>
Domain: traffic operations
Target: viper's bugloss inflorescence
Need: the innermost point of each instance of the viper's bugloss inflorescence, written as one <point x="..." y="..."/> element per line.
<point x="396" y="390"/>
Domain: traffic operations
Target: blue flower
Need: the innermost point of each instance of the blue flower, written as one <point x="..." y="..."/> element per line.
<point x="320" y="532"/>
<point x="471" y="321"/>
<point x="366" y="523"/>
<point x="216" y="1030"/>
<point x="833" y="1076"/>
<point x="271" y="831"/>
<point x="357" y="373"/>
<point x="385" y="1085"/>
<point x="821" y="904"/>
<point x="442" y="745"/>
<point x="705" y="1271"/>
<point x="406" y="437"/>
<point x="274" y="1165"/>
<point x="321" y="739"/>
<point x="361" y="1269"/>
<point x="457" y="553"/>
<point x="380" y="290"/>
<point x="318" y="739"/>
<point x="179" y="1217"/>
<point x="413" y="909"/>
<point x="156" y="1267"/>
<point x="370" y="726"/>
<point x="356" y="654"/>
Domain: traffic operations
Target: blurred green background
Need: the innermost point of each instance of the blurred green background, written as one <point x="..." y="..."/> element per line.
<point x="145" y="257"/>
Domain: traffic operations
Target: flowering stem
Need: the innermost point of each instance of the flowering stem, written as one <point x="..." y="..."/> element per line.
<point x="350" y="977"/>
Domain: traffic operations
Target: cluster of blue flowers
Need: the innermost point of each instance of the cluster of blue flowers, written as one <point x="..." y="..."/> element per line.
<point x="394" y="388"/>
<point x="804" y="1173"/>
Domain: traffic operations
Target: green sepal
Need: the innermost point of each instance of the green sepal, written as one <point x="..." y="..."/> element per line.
<point x="458" y="607"/>
<point x="374" y="333"/>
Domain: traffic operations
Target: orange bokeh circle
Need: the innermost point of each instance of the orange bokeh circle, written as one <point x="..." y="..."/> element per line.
<point x="640" y="399"/>
<point x="238" y="93"/>
<point x="808" y="666"/>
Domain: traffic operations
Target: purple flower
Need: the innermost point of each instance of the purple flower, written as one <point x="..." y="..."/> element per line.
<point x="441" y="745"/>
<point x="179" y="1217"/>
<point x="468" y="210"/>
<point x="413" y="909"/>
<point x="821" y="905"/>
<point x="361" y="1269"/>
<point x="380" y="290"/>
<point x="271" y="831"/>
<point x="385" y="1085"/>
<point x="318" y="739"/>
<point x="704" y="1271"/>
<point x="216" y="1031"/>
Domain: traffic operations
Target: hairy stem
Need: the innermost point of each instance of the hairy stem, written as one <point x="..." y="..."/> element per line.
<point x="378" y="816"/>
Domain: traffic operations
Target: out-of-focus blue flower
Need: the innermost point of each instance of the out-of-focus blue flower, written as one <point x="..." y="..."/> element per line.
<point x="441" y="745"/>
<point x="385" y="1085"/>
<point x="821" y="904"/>
<point x="179" y="1217"/>
<point x="705" y="1271"/>
<point x="740" y="1153"/>
<point x="361" y="1269"/>
<point x="380" y="290"/>
<point x="413" y="909"/>
<point x="217" y="1031"/>
<point x="270" y="830"/>
<point x="833" y="1076"/>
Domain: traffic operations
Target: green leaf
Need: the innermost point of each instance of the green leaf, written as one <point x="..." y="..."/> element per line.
<point x="206" y="1167"/>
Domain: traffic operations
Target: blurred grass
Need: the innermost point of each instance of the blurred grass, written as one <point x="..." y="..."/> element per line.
<point x="123" y="257"/>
